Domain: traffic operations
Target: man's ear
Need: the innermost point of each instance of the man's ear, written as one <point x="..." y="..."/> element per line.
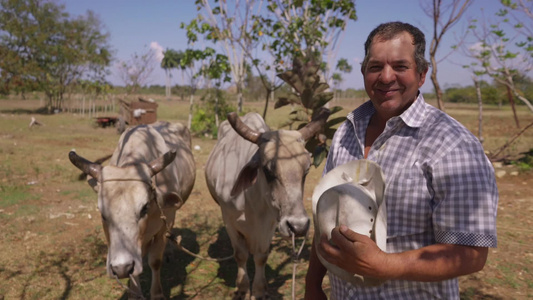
<point x="422" y="78"/>
<point x="172" y="200"/>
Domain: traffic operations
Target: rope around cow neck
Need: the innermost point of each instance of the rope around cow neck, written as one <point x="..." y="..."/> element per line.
<point x="177" y="240"/>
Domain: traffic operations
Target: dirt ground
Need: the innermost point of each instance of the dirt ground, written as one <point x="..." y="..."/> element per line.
<point x="52" y="244"/>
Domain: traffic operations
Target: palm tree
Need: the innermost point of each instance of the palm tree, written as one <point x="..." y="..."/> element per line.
<point x="171" y="60"/>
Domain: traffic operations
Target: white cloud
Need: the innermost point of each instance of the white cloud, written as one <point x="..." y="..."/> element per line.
<point x="158" y="49"/>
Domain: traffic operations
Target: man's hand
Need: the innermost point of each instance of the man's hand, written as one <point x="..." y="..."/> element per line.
<point x="353" y="252"/>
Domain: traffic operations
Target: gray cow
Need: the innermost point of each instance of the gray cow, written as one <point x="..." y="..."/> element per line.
<point x="150" y="174"/>
<point x="257" y="177"/>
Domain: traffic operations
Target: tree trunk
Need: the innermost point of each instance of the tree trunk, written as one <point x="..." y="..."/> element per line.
<point x="511" y="100"/>
<point x="438" y="90"/>
<point x="167" y="89"/>
<point x="216" y="108"/>
<point x="239" y="98"/>
<point x="266" y="103"/>
<point x="191" y="102"/>
<point x="480" y="106"/>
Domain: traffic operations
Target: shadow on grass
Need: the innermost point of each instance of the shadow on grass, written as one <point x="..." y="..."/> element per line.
<point x="476" y="294"/>
<point x="174" y="268"/>
<point x="276" y="277"/>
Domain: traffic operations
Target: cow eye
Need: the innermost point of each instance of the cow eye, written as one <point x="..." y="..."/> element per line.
<point x="144" y="211"/>
<point x="269" y="174"/>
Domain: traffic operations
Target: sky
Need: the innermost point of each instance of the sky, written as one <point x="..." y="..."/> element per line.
<point x="135" y="25"/>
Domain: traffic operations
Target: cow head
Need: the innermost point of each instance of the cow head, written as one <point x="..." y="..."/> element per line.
<point x="279" y="167"/>
<point x="127" y="203"/>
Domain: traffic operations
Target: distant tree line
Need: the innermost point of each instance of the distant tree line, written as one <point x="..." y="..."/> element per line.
<point x="491" y="93"/>
<point x="43" y="49"/>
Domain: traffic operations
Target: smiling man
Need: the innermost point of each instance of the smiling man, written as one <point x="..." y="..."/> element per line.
<point x="440" y="190"/>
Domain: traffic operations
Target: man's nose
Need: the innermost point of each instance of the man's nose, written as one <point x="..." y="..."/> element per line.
<point x="387" y="75"/>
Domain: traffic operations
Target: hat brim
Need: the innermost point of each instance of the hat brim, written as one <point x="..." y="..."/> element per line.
<point x="352" y="195"/>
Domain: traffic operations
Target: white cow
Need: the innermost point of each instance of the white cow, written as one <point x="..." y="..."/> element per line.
<point x="257" y="177"/>
<point x="150" y="174"/>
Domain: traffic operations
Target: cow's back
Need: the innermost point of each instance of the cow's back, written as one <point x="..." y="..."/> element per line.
<point x="229" y="156"/>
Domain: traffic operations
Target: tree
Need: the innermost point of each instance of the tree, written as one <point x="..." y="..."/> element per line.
<point x="218" y="70"/>
<point x="136" y="72"/>
<point x="171" y="60"/>
<point x="344" y="67"/>
<point x="504" y="47"/>
<point x="193" y="64"/>
<point x="310" y="93"/>
<point x="438" y="11"/>
<point x="296" y="28"/>
<point x="229" y="27"/>
<point x="44" y="49"/>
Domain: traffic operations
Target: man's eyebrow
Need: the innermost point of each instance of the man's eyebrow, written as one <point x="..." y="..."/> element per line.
<point x="402" y="61"/>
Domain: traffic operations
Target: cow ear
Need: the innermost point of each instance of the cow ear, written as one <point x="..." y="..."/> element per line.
<point x="247" y="177"/>
<point x="93" y="182"/>
<point x="172" y="200"/>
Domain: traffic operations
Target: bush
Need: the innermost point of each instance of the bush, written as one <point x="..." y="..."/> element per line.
<point x="203" y="121"/>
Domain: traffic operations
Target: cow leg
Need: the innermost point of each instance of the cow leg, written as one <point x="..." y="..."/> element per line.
<point x="155" y="260"/>
<point x="259" y="288"/>
<point x="134" y="286"/>
<point x="240" y="253"/>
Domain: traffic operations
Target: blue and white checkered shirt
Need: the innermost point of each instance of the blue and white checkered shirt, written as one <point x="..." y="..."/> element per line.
<point x="440" y="188"/>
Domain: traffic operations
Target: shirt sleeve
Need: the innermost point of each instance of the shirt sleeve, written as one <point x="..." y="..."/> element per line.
<point x="466" y="197"/>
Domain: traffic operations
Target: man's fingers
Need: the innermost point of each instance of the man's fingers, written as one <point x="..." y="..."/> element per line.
<point x="351" y="235"/>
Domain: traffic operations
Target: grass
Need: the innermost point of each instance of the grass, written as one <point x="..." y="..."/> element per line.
<point x="52" y="258"/>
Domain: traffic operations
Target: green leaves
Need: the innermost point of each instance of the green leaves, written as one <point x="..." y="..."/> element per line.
<point x="309" y="96"/>
<point x="44" y="48"/>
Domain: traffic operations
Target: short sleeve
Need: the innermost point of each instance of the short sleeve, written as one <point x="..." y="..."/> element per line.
<point x="466" y="197"/>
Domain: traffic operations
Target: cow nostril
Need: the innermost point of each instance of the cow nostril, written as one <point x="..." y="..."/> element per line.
<point x="132" y="268"/>
<point x="123" y="270"/>
<point x="299" y="229"/>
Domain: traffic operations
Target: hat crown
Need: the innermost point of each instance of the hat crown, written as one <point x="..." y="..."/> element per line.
<point x="353" y="195"/>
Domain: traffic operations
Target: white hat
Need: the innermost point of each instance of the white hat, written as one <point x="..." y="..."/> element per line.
<point x="352" y="194"/>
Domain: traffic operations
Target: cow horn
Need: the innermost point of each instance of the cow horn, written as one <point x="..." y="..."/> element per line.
<point x="318" y="122"/>
<point x="243" y="129"/>
<point x="84" y="165"/>
<point x="158" y="164"/>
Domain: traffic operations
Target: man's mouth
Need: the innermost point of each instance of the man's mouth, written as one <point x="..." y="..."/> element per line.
<point x="387" y="91"/>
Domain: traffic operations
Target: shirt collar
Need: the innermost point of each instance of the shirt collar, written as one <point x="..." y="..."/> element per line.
<point x="413" y="117"/>
<point x="416" y="113"/>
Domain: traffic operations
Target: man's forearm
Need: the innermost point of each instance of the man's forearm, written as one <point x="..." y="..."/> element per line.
<point x="435" y="262"/>
<point x="316" y="271"/>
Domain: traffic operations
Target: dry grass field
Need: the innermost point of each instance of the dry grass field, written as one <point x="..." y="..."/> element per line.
<point x="52" y="243"/>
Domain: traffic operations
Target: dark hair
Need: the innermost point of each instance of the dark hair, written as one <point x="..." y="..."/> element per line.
<point x="387" y="31"/>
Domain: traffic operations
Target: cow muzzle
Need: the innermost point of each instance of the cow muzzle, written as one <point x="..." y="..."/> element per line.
<point x="297" y="225"/>
<point x="122" y="270"/>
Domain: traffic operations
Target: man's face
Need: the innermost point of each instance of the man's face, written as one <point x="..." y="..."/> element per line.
<point x="391" y="78"/>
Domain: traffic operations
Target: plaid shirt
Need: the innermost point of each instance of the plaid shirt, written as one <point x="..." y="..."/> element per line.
<point x="440" y="188"/>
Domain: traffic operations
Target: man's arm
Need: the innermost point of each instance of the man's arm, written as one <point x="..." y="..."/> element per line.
<point x="314" y="277"/>
<point x="358" y="254"/>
